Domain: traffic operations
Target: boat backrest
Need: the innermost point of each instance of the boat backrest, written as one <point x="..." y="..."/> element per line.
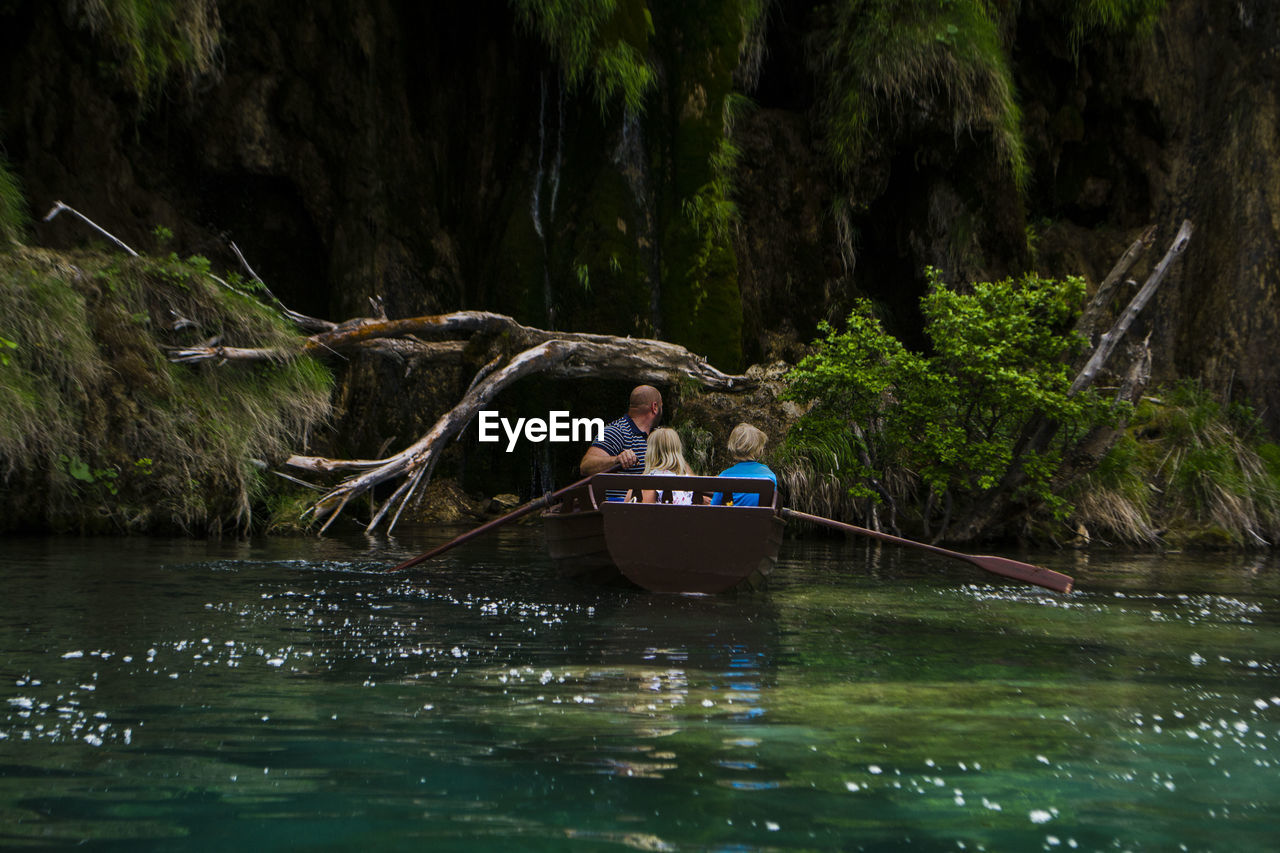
<point x="578" y="499"/>
<point x="667" y="483"/>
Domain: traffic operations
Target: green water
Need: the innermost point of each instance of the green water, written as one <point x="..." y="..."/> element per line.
<point x="285" y="695"/>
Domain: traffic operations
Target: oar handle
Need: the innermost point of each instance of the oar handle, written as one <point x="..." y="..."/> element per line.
<point x="536" y="503"/>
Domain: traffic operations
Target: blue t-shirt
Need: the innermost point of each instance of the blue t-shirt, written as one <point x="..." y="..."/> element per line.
<point x="621" y="434"/>
<point x="745" y="469"/>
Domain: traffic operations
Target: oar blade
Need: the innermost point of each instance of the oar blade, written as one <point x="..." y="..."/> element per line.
<point x="1046" y="578"/>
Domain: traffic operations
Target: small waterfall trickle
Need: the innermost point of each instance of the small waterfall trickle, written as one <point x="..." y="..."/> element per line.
<point x="629" y="157"/>
<point x="555" y="166"/>
<point x="547" y="175"/>
<point x="541" y="472"/>
<point x="535" y="198"/>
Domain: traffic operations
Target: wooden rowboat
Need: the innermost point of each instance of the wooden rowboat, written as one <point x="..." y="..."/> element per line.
<point x="697" y="548"/>
<point x="665" y="547"/>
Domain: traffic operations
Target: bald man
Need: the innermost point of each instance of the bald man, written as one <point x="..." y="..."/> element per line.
<point x="624" y="440"/>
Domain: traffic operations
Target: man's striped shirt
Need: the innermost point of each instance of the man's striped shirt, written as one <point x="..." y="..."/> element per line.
<point x="620" y="434"/>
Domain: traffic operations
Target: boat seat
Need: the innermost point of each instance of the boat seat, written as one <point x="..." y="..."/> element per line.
<point x="700" y="486"/>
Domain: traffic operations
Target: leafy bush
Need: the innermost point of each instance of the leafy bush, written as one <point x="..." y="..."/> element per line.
<point x="954" y="419"/>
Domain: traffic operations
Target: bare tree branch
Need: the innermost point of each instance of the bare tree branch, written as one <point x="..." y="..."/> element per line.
<point x="1108" y="342"/>
<point x="1089" y="317"/>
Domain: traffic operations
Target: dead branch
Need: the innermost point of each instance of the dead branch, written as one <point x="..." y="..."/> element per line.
<point x="422" y="452"/>
<point x="302" y="321"/>
<point x="403" y="348"/>
<point x="1089" y="317"/>
<point x="565" y="356"/>
<point x="1107" y="344"/>
<point x="58" y="207"/>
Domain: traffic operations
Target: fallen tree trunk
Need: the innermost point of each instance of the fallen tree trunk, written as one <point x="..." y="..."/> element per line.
<point x="561" y="355"/>
<point x="642" y="358"/>
<point x="565" y="355"/>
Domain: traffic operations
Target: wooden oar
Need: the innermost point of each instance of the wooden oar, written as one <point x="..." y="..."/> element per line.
<point x="525" y="509"/>
<point x="1046" y="578"/>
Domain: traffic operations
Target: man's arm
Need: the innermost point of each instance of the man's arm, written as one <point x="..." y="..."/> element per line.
<point x="597" y="459"/>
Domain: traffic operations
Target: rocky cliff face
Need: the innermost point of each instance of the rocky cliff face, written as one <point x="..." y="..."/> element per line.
<point x="430" y="154"/>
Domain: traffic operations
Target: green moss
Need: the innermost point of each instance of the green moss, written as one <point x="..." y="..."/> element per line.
<point x="14" y="218"/>
<point x="881" y="64"/>
<point x="877" y="60"/>
<point x="599" y="262"/>
<point x="105" y="432"/>
<point x="157" y="41"/>
<point x="1118" y="17"/>
<point x="603" y="42"/>
<point x="701" y="299"/>
<point x="609" y="288"/>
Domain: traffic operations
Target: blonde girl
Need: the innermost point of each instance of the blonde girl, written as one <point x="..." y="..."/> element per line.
<point x="664" y="454"/>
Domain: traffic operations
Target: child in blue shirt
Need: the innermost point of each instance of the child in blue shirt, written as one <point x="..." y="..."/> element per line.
<point x="746" y="446"/>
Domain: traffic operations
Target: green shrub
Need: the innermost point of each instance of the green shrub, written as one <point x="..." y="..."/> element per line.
<point x="950" y="420"/>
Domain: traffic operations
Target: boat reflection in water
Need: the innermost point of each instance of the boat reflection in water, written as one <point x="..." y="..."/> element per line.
<point x="669" y="664"/>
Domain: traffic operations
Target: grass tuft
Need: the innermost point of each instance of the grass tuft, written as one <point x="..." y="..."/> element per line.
<point x="14" y="216"/>
<point x="883" y="62"/>
<point x="103" y="433"/>
<point x="1189" y="471"/>
<point x="602" y="42"/>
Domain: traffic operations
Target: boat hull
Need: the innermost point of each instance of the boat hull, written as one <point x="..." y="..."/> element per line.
<point x="704" y="549"/>
<point x="665" y="547"/>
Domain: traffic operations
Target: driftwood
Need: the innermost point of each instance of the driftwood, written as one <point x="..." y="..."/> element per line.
<point x="565" y="355"/>
<point x="526" y="351"/>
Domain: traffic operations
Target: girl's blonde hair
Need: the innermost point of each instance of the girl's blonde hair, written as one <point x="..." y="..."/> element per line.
<point x="665" y="452"/>
<point x="746" y="443"/>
